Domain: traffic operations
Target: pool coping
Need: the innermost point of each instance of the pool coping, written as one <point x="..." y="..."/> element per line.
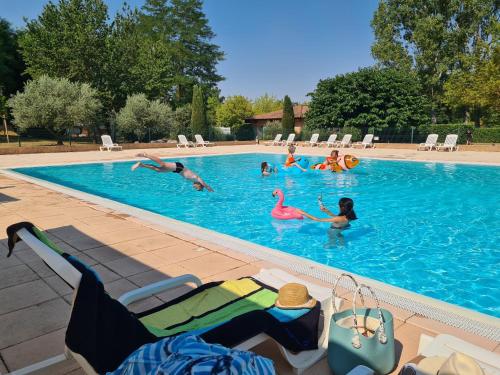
<point x="469" y="320"/>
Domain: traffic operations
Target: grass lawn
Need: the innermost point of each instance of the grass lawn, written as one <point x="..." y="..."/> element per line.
<point x="35" y="142"/>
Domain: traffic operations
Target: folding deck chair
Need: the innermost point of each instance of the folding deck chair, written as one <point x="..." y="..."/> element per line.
<point x="331" y="140"/>
<point x="291" y="329"/>
<point x="183" y="142"/>
<point x="107" y="144"/>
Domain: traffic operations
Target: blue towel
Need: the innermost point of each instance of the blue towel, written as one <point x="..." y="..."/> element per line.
<point x="187" y="354"/>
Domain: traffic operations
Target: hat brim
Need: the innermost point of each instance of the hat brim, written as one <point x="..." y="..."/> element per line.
<point x="430" y="365"/>
<point x="308" y="305"/>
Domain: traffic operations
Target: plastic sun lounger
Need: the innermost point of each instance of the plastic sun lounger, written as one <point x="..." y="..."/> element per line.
<point x="366" y="142"/>
<point x="345" y="142"/>
<point x="331" y="141"/>
<point x="429" y="143"/>
<point x="201" y="142"/>
<point x="445" y="345"/>
<point x="183" y="142"/>
<point x="289" y="141"/>
<point x="272" y="277"/>
<point x="450" y="143"/>
<point x="313" y="141"/>
<point x="107" y="144"/>
<point x="275" y="142"/>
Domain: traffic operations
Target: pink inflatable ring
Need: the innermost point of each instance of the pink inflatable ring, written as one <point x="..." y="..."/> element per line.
<point x="281" y="212"/>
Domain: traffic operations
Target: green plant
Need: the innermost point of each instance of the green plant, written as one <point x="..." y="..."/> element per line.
<point x="444" y="129"/>
<point x="233" y="111"/>
<point x="486" y="135"/>
<point x="198" y="118"/>
<point x="266" y="103"/>
<point x="288" y="120"/>
<point x="243" y="132"/>
<point x="271" y="129"/>
<point x="356" y="133"/>
<point x="181" y="122"/>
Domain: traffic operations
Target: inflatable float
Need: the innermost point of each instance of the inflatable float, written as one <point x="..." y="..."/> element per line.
<point x="304" y="163"/>
<point x="281" y="212"/>
<point x="344" y="163"/>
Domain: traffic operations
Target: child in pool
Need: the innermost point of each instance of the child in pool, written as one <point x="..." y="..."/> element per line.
<point x="266" y="168"/>
<point x="340" y="221"/>
<point x="290" y="159"/>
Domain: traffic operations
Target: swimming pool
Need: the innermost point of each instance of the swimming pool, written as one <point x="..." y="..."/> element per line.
<point x="431" y="228"/>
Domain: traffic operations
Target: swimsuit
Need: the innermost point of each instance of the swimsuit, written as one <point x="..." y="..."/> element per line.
<point x="289" y="161"/>
<point x="178" y="167"/>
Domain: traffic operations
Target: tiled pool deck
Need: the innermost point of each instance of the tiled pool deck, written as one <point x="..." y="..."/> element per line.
<point x="129" y="253"/>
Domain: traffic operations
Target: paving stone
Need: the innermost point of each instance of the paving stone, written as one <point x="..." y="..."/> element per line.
<point x="158" y="274"/>
<point x="171" y="255"/>
<point x="59" y="285"/>
<point x="118" y="287"/>
<point x="127" y="266"/>
<point x="41" y="269"/>
<point x="3" y="368"/>
<point x="11" y="261"/>
<point x="235" y="273"/>
<point x="34" y="350"/>
<point x="24" y="295"/>
<point x="142" y="245"/>
<point x="210" y="264"/>
<point x="16" y="275"/>
<point x="34" y="321"/>
<point x="105" y="274"/>
<point x="104" y="254"/>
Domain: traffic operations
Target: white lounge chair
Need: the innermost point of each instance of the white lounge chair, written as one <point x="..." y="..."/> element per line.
<point x="107" y="144"/>
<point x="331" y="140"/>
<point x="345" y="142"/>
<point x="429" y="143"/>
<point x="450" y="143"/>
<point x="289" y="141"/>
<point x="445" y="345"/>
<point x="275" y="142"/>
<point x="313" y="141"/>
<point x="366" y="142"/>
<point x="183" y="142"/>
<point x="201" y="142"/>
<point x="272" y="277"/>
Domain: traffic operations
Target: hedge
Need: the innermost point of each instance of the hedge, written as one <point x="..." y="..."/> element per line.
<point x="479" y="135"/>
<point x="243" y="132"/>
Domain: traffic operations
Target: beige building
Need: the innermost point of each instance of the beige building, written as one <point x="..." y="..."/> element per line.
<point x="259" y="121"/>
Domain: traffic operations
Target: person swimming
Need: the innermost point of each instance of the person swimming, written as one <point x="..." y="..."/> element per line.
<point x="266" y="168"/>
<point x="176" y="167"/>
<point x="340" y="221"/>
<point x="290" y="159"/>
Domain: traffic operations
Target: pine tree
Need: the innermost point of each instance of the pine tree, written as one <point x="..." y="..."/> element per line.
<point x="198" y="118"/>
<point x="288" y="120"/>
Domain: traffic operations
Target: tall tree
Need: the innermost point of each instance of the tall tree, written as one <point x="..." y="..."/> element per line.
<point x="198" y="117"/>
<point x="234" y="111"/>
<point x="371" y="97"/>
<point x="431" y="36"/>
<point x="11" y="62"/>
<point x="68" y="40"/>
<point x="55" y="104"/>
<point x="182" y="29"/>
<point x="288" y="120"/>
<point x="266" y="103"/>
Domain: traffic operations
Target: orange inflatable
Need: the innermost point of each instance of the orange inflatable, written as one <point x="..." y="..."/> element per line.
<point x="344" y="163"/>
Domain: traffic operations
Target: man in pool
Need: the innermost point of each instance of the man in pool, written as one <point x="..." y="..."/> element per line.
<point x="176" y="167"/>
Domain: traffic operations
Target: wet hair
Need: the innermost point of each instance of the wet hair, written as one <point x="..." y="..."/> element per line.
<point x="336" y="152"/>
<point x="199" y="184"/>
<point x="263" y="166"/>
<point x="347" y="208"/>
<point x="291" y="149"/>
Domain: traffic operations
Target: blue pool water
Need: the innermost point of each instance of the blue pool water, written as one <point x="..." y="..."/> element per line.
<point x="427" y="227"/>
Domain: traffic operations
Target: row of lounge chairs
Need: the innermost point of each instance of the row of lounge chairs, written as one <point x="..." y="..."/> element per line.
<point x="450" y="143"/>
<point x="331" y="142"/>
<point x="199" y="141"/>
<point x="76" y="274"/>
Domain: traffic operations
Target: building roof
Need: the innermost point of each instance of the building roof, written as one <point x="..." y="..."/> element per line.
<point x="298" y="110"/>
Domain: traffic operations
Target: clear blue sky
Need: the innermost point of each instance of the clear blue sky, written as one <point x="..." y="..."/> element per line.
<point x="274" y="46"/>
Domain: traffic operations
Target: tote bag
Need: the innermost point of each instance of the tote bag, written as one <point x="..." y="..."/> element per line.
<point x="361" y="336"/>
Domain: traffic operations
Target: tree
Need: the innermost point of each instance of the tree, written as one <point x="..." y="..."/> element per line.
<point x="266" y="103"/>
<point x="182" y="30"/>
<point x="55" y="104"/>
<point x="213" y="102"/>
<point x="181" y="122"/>
<point x="11" y="63"/>
<point x="142" y="117"/>
<point x="433" y="37"/>
<point x="234" y="111"/>
<point x="68" y="40"/>
<point x="198" y="118"/>
<point x="370" y="97"/>
<point x="288" y="120"/>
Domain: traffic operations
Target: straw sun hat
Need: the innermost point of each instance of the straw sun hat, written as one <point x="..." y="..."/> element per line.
<point x="456" y="364"/>
<point x="294" y="296"/>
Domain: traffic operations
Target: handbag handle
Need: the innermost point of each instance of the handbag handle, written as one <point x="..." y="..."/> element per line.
<point x="382" y="337"/>
<point x="334" y="292"/>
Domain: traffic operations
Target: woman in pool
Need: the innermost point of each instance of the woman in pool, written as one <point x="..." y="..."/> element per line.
<point x="340" y="221"/>
<point x="290" y="159"/>
<point x="176" y="167"/>
<point x="266" y="168"/>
